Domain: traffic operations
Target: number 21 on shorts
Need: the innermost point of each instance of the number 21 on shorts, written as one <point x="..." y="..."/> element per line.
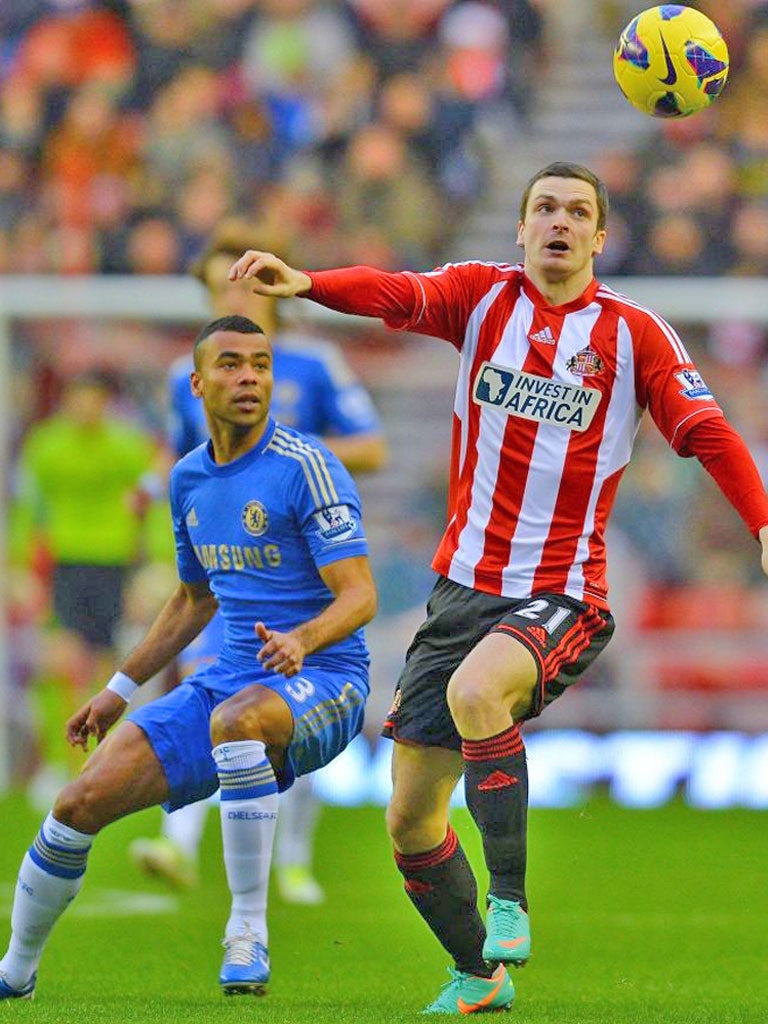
<point x="535" y="610"/>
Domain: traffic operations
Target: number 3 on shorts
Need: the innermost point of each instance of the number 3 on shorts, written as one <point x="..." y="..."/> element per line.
<point x="300" y="689"/>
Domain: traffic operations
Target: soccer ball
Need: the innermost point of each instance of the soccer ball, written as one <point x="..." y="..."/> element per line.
<point x="671" y="61"/>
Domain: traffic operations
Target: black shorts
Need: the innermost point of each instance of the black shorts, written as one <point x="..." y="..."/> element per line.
<point x="88" y="600"/>
<point x="563" y="634"/>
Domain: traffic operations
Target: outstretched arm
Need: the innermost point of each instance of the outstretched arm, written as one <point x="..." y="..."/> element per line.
<point x="354" y="604"/>
<point x="365" y="291"/>
<point x="182" y="617"/>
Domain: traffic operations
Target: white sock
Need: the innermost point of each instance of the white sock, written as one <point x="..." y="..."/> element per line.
<point x="50" y="877"/>
<point x="249" y="803"/>
<point x="299" y="809"/>
<point x="185" y="827"/>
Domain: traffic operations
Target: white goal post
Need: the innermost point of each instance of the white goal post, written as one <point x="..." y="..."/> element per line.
<point x="181" y="299"/>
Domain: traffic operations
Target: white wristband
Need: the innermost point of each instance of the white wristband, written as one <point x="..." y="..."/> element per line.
<point x="122" y="685"/>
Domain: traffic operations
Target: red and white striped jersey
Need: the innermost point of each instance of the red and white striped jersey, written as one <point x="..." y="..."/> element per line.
<point x="548" y="403"/>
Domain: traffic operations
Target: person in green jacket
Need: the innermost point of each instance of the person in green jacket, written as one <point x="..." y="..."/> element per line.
<point x="82" y="473"/>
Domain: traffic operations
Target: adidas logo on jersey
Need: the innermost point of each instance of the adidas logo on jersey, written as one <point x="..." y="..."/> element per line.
<point x="544" y="336"/>
<point x="191" y="519"/>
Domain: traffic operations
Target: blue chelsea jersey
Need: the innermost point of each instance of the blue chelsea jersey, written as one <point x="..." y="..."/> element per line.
<point x="315" y="392"/>
<point x="259" y="528"/>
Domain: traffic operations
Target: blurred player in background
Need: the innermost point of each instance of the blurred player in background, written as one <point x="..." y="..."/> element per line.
<point x="268" y="534"/>
<point x="317" y="393"/>
<point x="83" y="479"/>
<point x="556" y="371"/>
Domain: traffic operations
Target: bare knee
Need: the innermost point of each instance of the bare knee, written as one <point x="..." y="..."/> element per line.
<point x="466" y="697"/>
<point x="82" y="806"/>
<point x="485" y="704"/>
<point x="253" y="714"/>
<point x="412" y="832"/>
<point x="401" y="825"/>
<point x="226" y="725"/>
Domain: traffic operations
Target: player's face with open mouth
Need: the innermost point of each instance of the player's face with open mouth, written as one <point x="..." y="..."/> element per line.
<point x="560" y="232"/>
<point x="235" y="378"/>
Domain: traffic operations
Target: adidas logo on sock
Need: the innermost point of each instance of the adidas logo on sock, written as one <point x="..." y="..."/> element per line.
<point x="545" y="336"/>
<point x="498" y="780"/>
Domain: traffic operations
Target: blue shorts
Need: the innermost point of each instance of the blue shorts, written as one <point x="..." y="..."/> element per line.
<point x="327" y="710"/>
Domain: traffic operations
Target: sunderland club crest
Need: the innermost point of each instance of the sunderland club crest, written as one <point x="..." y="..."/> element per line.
<point x="586" y="363"/>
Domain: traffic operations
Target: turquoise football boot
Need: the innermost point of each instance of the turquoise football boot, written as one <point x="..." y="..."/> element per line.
<point x="508" y="928"/>
<point x="466" y="993"/>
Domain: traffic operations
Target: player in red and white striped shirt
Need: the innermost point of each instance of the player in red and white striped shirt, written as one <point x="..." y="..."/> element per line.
<point x="555" y="372"/>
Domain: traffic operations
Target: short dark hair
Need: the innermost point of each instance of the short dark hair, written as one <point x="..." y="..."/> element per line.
<point x="234" y="322"/>
<point x="564" y="169"/>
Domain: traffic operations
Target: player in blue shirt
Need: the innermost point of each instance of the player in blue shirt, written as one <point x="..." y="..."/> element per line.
<point x="315" y="392"/>
<point x="268" y="529"/>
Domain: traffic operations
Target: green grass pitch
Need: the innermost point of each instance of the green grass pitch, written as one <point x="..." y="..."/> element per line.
<point x="638" y="916"/>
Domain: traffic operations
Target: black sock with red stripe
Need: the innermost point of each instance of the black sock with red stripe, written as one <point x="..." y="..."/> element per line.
<point x="442" y="887"/>
<point x="496" y="783"/>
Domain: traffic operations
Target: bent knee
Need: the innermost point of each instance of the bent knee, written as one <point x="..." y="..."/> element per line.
<point x="470" y="699"/>
<point x="225" y="723"/>
<point x="468" y="696"/>
<point x="82" y="806"/>
<point x="255" y="716"/>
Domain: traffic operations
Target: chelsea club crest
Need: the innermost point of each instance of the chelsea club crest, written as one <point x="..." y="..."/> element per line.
<point x="254" y="518"/>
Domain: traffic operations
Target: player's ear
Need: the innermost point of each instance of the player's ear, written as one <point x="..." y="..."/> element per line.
<point x="599" y="243"/>
<point x="520" y="233"/>
<point x="196" y="384"/>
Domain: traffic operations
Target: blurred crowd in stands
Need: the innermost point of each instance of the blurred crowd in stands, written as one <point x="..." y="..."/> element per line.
<point x="353" y="130"/>
<point x="128" y="128"/>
